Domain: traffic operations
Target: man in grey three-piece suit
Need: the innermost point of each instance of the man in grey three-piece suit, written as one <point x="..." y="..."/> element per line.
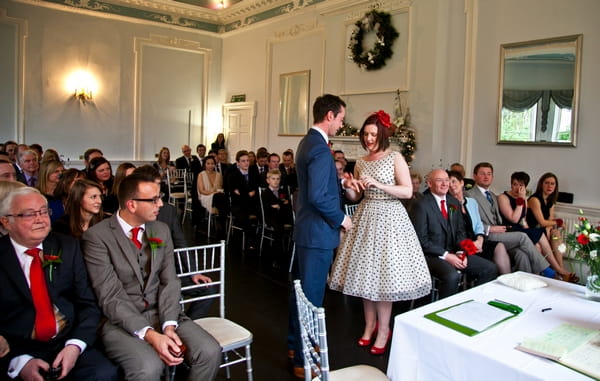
<point x="131" y="264"/>
<point x="523" y="253"/>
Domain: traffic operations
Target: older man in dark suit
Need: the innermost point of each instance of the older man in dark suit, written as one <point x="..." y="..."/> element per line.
<point x="319" y="217"/>
<point x="440" y="227"/>
<point x="131" y="264"/>
<point x="49" y="312"/>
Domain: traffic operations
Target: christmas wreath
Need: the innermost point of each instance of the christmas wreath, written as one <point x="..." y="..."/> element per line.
<point x="381" y="24"/>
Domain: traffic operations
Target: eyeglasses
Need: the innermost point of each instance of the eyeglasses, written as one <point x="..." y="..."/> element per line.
<point x="154" y="200"/>
<point x="30" y="215"/>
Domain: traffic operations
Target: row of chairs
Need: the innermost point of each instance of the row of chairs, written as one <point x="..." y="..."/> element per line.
<point x="236" y="340"/>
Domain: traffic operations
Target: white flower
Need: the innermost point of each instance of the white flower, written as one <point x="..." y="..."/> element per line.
<point x="562" y="248"/>
<point x="593" y="254"/>
<point x="588" y="226"/>
<point x="594" y="237"/>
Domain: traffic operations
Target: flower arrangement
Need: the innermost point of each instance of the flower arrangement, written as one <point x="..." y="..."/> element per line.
<point x="50" y="260"/>
<point x="585" y="242"/>
<point x="469" y="248"/>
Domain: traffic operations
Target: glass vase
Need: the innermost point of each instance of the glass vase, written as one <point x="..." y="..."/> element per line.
<point x="592" y="287"/>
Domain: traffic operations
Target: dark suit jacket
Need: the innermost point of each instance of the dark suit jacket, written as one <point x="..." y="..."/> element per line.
<point x="274" y="217"/>
<point x="288" y="179"/>
<point x="69" y="290"/>
<point x="436" y="234"/>
<point x="235" y="180"/>
<point x="182" y="163"/>
<point x="123" y="295"/>
<point x="319" y="215"/>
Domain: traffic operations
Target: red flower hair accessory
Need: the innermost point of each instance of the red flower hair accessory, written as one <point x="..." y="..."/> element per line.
<point x="384" y="118"/>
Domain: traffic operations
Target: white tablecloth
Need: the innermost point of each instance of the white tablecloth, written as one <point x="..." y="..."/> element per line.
<point x="425" y="350"/>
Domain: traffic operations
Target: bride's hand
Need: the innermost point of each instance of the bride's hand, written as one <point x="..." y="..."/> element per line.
<point x="369" y="182"/>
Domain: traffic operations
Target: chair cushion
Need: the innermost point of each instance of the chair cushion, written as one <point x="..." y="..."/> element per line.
<point x="227" y="333"/>
<point x="358" y="373"/>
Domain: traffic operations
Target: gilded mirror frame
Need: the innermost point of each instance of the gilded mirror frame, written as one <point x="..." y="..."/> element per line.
<point x="538" y="97"/>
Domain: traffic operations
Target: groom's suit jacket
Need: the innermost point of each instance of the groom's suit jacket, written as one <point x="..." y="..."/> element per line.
<point x="436" y="234"/>
<point x="69" y="291"/>
<point x="130" y="292"/>
<point x="319" y="214"/>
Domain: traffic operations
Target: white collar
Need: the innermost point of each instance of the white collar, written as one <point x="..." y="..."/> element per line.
<point x="323" y="134"/>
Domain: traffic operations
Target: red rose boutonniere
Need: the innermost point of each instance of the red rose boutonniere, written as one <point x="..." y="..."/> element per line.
<point x="154" y="243"/>
<point x="282" y="196"/>
<point x="452" y="208"/>
<point x="330" y="144"/>
<point x="469" y="248"/>
<point x="50" y="260"/>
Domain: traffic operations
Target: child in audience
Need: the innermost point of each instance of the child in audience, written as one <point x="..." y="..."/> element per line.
<point x="276" y="203"/>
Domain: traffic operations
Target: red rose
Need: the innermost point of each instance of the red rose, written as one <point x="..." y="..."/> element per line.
<point x="582" y="239"/>
<point x="282" y="196"/>
<point x="468" y="246"/>
<point x="51" y="257"/>
<point x="559" y="222"/>
<point x="155" y="240"/>
<point x="384" y="118"/>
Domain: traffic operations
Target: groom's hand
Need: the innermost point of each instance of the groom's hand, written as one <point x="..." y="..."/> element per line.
<point x="347" y="223"/>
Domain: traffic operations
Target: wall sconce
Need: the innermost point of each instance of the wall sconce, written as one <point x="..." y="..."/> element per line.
<point x="83" y="85"/>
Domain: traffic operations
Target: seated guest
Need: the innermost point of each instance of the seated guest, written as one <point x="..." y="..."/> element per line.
<point x="49" y="155"/>
<point x="416" y="180"/>
<point x="252" y="157"/>
<point x="7" y="171"/>
<point x="222" y="165"/>
<point x="242" y="187"/>
<point x="28" y="162"/>
<point x="100" y="171"/>
<point x="168" y="215"/>
<point x="520" y="248"/>
<point x="441" y="232"/>
<point x="5" y="188"/>
<point x="68" y="177"/>
<point x="49" y="312"/>
<point x="458" y="167"/>
<point x="288" y="169"/>
<point x="201" y="151"/>
<point x="493" y="251"/>
<point x="276" y="203"/>
<point x="111" y="203"/>
<point x="145" y="327"/>
<point x="262" y="161"/>
<point x="209" y="185"/>
<point x="83" y="209"/>
<point x="513" y="206"/>
<point x="50" y="174"/>
<point x="166" y="169"/>
<point x="272" y="163"/>
<point x="187" y="160"/>
<point x="540" y="211"/>
<point x="88" y="155"/>
<point x="37" y="148"/>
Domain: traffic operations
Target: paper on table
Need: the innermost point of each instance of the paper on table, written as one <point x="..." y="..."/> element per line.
<point x="475" y="315"/>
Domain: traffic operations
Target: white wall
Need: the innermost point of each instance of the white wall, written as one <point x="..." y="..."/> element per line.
<point x="513" y="21"/>
<point x="59" y="42"/>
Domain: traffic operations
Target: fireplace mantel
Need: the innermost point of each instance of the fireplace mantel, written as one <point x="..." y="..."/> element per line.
<point x="352" y="148"/>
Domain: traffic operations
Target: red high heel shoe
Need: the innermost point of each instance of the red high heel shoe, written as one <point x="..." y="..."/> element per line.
<point x="366" y="342"/>
<point x="381" y="350"/>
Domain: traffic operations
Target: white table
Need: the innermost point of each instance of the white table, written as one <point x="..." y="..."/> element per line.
<point x="425" y="350"/>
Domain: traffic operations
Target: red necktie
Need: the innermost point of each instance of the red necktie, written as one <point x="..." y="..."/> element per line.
<point x="134" y="237"/>
<point x="45" y="322"/>
<point x="444" y="211"/>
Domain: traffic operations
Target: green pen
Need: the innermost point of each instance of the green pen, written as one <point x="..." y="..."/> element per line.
<point x="506" y="306"/>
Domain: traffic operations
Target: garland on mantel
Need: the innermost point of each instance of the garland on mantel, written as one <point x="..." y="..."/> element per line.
<point x="381" y="24"/>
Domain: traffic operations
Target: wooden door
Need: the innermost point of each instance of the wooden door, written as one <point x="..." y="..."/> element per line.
<point x="238" y="126"/>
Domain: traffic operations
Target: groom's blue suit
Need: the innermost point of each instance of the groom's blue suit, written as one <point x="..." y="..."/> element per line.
<point x="318" y="220"/>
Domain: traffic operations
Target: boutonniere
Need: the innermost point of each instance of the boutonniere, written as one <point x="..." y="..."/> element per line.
<point x="330" y="144"/>
<point x="453" y="208"/>
<point x="282" y="196"/>
<point x="154" y="243"/>
<point x="50" y="260"/>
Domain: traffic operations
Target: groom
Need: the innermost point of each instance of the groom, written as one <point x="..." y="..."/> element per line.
<point x="319" y="216"/>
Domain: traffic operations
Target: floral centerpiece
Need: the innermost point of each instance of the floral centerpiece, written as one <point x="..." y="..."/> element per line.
<point x="585" y="242"/>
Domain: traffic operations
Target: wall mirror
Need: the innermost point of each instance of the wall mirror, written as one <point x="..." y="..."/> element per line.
<point x="539" y="91"/>
<point x="294" y="93"/>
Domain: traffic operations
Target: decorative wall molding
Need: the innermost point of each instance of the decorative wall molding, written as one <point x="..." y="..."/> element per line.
<point x="294" y="31"/>
<point x="19" y="77"/>
<point x="180" y="14"/>
<point x="167" y="43"/>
